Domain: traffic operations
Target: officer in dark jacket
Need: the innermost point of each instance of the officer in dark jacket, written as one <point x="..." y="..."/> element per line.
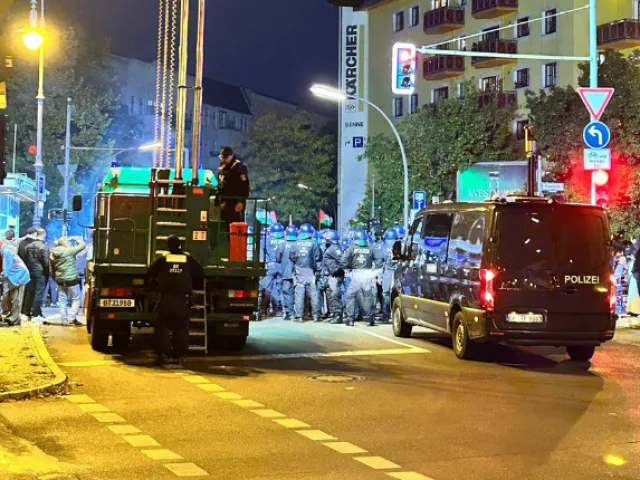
<point x="174" y="275"/>
<point x="233" y="186"/>
<point x="269" y="284"/>
<point x="37" y="255"/>
<point x="331" y="261"/>
<point x="306" y="257"/>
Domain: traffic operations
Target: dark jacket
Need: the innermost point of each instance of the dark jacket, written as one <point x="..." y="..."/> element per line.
<point x="233" y="180"/>
<point x="175" y="274"/>
<point x="22" y="248"/>
<point x="332" y="259"/>
<point x="306" y="254"/>
<point x="283" y="258"/>
<point x="360" y="258"/>
<point x="37" y="254"/>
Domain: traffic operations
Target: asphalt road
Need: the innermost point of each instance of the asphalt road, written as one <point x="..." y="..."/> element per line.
<point x="384" y="409"/>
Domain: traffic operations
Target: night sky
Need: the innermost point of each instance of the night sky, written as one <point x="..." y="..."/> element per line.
<point x="275" y="47"/>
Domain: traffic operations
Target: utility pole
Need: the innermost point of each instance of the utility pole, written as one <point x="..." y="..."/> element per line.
<point x="15" y="145"/>
<point x="373" y="196"/>
<point x="67" y="157"/>
<point x="181" y="110"/>
<point x="37" y="220"/>
<point x="197" y="100"/>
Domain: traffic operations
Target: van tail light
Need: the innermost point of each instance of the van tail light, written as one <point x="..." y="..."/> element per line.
<point x="116" y="292"/>
<point x="243" y="294"/>
<point x="613" y="300"/>
<point x="487" y="289"/>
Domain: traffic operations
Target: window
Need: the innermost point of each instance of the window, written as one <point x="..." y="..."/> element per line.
<point x="415" y="16"/>
<point x="133" y="104"/>
<point x="490" y="84"/>
<point x="398" y="21"/>
<point x="414" y="103"/>
<point x="231" y="123"/>
<point x="491" y="34"/>
<point x="520" y="126"/>
<point x="467" y="237"/>
<point x="416" y="236"/>
<point x="436" y="238"/>
<point x="550" y="22"/>
<point x="439" y="4"/>
<point x="522" y="78"/>
<point x="141" y="106"/>
<point x="462" y="44"/>
<point x="214" y="117"/>
<point x="460" y="87"/>
<point x="550" y="74"/>
<point x="398" y="106"/>
<point x="222" y="119"/>
<point x="522" y="29"/>
<point x="441" y="93"/>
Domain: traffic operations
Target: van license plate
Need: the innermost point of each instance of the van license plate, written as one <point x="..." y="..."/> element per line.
<point x="514" y="317"/>
<point x="117" y="302"/>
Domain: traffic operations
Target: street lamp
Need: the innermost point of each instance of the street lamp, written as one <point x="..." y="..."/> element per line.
<point x="34" y="39"/>
<point x="330" y="93"/>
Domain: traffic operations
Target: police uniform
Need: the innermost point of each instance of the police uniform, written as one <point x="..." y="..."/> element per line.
<point x="269" y="284"/>
<point x="174" y="276"/>
<point x="287" y="275"/>
<point x="331" y="262"/>
<point x="233" y="188"/>
<point x="361" y="260"/>
<point x="306" y="256"/>
<point x="389" y="265"/>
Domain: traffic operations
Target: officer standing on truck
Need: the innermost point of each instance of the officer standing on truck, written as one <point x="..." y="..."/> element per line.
<point x="286" y="269"/>
<point x="361" y="259"/>
<point x="306" y="256"/>
<point x="174" y="275"/>
<point x="268" y="289"/>
<point x="331" y="262"/>
<point x="233" y="186"/>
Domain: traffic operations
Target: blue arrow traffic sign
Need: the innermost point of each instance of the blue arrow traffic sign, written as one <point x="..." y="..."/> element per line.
<point x="419" y="199"/>
<point x="596" y="135"/>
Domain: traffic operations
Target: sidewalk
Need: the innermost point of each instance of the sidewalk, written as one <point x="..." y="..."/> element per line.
<point x="26" y="368"/>
<point x="628" y="321"/>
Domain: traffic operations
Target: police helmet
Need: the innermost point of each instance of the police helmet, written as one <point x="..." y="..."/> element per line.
<point x="344" y="243"/>
<point x="368" y="238"/>
<point x="306" y="232"/>
<point x="360" y="238"/>
<point x="400" y="231"/>
<point x="317" y="236"/>
<point x="391" y="235"/>
<point x="276" y="230"/>
<point x="332" y="237"/>
<point x="291" y="233"/>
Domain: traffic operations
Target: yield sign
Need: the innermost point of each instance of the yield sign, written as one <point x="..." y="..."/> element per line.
<point x="596" y="100"/>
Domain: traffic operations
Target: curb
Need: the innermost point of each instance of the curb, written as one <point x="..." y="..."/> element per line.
<point x="50" y="388"/>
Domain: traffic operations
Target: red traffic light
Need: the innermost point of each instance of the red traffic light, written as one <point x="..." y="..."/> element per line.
<point x="403" y="68"/>
<point x="600" y="178"/>
<point x="33" y="149"/>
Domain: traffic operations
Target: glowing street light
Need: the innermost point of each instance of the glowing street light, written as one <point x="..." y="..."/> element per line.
<point x="33" y="38"/>
<point x="150" y="146"/>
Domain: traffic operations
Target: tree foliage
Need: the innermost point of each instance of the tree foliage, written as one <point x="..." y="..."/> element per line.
<point x="439" y="140"/>
<point x="282" y="152"/>
<point x="559" y="117"/>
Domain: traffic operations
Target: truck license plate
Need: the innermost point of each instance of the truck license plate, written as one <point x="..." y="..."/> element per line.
<point x="514" y="317"/>
<point x="117" y="302"/>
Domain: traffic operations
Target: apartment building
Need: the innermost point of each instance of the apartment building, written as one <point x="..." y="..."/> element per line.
<point x="431" y="22"/>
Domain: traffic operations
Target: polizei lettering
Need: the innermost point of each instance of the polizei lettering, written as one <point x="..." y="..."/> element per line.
<point x="351" y="60"/>
<point x="582" y="279"/>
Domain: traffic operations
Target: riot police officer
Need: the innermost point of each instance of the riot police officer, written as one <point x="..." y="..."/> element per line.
<point x="331" y="262"/>
<point x="322" y="274"/>
<point x="269" y="284"/>
<point x="388" y="268"/>
<point x="306" y="256"/>
<point x="287" y="271"/>
<point x="400" y="231"/>
<point x="233" y="186"/>
<point x="361" y="259"/>
<point x="174" y="275"/>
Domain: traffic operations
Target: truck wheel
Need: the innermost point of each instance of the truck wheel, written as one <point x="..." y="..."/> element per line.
<point x="581" y="353"/>
<point x="236" y="344"/>
<point x="463" y="347"/>
<point x="400" y="327"/>
<point x="121" y="341"/>
<point x="99" y="338"/>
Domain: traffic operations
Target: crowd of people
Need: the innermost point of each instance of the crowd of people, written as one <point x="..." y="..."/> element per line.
<point x="34" y="271"/>
<point x="318" y="275"/>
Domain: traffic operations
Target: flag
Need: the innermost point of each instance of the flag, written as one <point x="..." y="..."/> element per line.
<point x="274" y="217"/>
<point x="324" y="219"/>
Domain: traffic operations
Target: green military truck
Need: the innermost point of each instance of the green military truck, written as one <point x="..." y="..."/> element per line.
<point x="136" y="210"/>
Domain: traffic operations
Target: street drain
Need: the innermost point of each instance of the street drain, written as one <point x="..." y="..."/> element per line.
<point x="336" y="378"/>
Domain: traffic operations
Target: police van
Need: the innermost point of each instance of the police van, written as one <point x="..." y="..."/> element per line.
<point x="521" y="271"/>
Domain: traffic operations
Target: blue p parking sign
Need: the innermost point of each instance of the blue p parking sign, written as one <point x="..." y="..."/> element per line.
<point x="358" y="142"/>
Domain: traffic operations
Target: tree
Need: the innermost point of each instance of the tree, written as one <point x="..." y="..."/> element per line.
<point x="439" y="140"/>
<point x="559" y="117"/>
<point x="283" y="152"/>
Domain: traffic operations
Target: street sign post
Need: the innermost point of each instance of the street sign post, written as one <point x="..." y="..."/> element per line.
<point x="597" y="159"/>
<point x="596" y="135"/>
<point x="596" y="100"/>
<point x="552" y="187"/>
<point x="419" y="200"/>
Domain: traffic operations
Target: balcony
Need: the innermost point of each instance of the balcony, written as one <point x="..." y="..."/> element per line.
<point x="493" y="8"/>
<point x="502" y="99"/>
<point x="439" y="67"/>
<point x="619" y="34"/>
<point x="494" y="46"/>
<point x="443" y="20"/>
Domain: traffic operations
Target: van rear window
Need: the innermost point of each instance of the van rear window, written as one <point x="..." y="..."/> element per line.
<point x="545" y="239"/>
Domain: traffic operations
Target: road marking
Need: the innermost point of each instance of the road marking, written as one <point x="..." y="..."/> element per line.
<point x="344" y="447"/>
<point x="316" y="435"/>
<point x="185" y="470"/>
<point x="392" y="340"/>
<point x="377" y="463"/>
<point x="228" y="396"/>
<point x="92" y="363"/>
<point x="161" y="454"/>
<point x="408" y="476"/>
<point x="93" y="408"/>
<point x="352" y="353"/>
<point x="247" y="404"/>
<point x="211" y="387"/>
<point x="195" y="379"/>
<point x="123" y="429"/>
<point x="108" y="417"/>
<point x="141" y="440"/>
<point x="268" y="413"/>
<point x="80" y="399"/>
<point x="291" y="423"/>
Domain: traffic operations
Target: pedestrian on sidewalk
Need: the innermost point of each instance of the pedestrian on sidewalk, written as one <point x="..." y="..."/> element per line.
<point x="64" y="269"/>
<point x="37" y="255"/>
<point x="15" y="276"/>
<point x="23" y="244"/>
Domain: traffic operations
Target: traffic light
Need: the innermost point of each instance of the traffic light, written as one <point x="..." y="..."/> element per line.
<point x="600" y="181"/>
<point x="404" y="69"/>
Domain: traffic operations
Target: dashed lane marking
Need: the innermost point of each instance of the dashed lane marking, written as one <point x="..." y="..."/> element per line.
<point x="161" y="454"/>
<point x="228" y="396"/>
<point x="377" y="463"/>
<point x="80" y="399"/>
<point x="408" y="476"/>
<point x="211" y="387"/>
<point x="93" y="408"/>
<point x="185" y="470"/>
<point x="108" y="417"/>
<point x="268" y="413"/>
<point x="141" y="440"/>
<point x="247" y="403"/>
<point x="291" y="423"/>
<point x="195" y="379"/>
<point x="123" y="429"/>
<point x="316" y="435"/>
<point x="345" y="447"/>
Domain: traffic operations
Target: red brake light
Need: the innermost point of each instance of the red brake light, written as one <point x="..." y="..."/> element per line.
<point x="243" y="294"/>
<point x="116" y="292"/>
<point x="487" y="289"/>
